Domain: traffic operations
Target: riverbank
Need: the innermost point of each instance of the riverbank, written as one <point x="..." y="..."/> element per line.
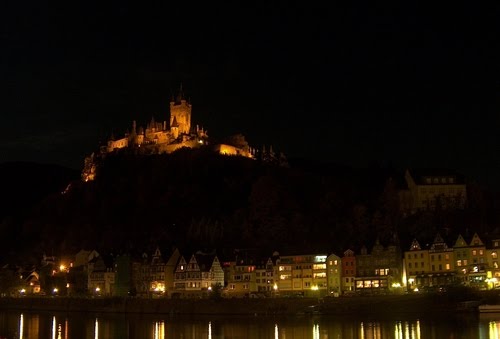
<point x="420" y="305"/>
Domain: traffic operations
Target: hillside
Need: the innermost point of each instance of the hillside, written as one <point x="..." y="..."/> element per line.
<point x="24" y="185"/>
<point x="196" y="199"/>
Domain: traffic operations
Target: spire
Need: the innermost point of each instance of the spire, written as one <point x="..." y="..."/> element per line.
<point x="180" y="96"/>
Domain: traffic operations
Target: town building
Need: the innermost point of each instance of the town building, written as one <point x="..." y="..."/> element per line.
<point x="348" y="271"/>
<point x="101" y="276"/>
<point x="198" y="276"/>
<point x="334" y="274"/>
<point x="378" y="271"/>
<point x="416" y="262"/>
<point x="302" y="275"/>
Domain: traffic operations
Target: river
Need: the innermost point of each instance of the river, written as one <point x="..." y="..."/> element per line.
<point x="74" y="325"/>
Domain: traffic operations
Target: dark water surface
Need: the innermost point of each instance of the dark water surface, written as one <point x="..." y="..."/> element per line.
<point x="88" y="325"/>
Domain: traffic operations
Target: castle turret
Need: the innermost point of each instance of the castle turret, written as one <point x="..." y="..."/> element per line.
<point x="175" y="128"/>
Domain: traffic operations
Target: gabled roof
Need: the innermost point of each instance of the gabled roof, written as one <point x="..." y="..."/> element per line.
<point x="348" y="253"/>
<point x="415" y="246"/>
<point x="476" y="241"/>
<point x="439" y="243"/>
<point x="460" y="242"/>
<point x="182" y="261"/>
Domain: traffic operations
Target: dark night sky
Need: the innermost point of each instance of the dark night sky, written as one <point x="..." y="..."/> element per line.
<point x="354" y="84"/>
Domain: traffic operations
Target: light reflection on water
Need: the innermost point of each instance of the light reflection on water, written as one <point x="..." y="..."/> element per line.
<point x="407" y="330"/>
<point x="74" y="325"/>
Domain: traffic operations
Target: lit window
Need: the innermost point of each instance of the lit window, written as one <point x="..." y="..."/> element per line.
<point x="447" y="256"/>
<point x="319" y="266"/>
<point x="474" y="252"/>
<point x="481" y="252"/>
<point x="459" y="262"/>
<point x="494" y="255"/>
<point x="335" y="262"/>
<point x="447" y="266"/>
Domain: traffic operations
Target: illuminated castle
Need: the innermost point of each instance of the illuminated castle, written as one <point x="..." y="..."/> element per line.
<point x="158" y="137"/>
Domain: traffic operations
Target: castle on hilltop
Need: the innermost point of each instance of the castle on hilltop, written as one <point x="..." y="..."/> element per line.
<point x="161" y="137"/>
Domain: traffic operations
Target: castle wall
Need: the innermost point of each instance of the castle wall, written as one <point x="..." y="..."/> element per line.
<point x="173" y="147"/>
<point x="114" y="144"/>
<point x="232" y="150"/>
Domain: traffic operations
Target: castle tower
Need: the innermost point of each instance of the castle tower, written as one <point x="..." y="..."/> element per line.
<point x="180" y="109"/>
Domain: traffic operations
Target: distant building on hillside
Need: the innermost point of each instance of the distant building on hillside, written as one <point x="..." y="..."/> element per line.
<point x="429" y="189"/>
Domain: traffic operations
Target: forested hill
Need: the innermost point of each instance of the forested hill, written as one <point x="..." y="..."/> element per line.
<point x="197" y="199"/>
<point x="24" y="184"/>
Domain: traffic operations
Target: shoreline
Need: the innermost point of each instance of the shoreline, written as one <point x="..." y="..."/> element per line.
<point x="369" y="306"/>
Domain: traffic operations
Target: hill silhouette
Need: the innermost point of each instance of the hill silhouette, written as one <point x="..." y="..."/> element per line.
<point x="197" y="199"/>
